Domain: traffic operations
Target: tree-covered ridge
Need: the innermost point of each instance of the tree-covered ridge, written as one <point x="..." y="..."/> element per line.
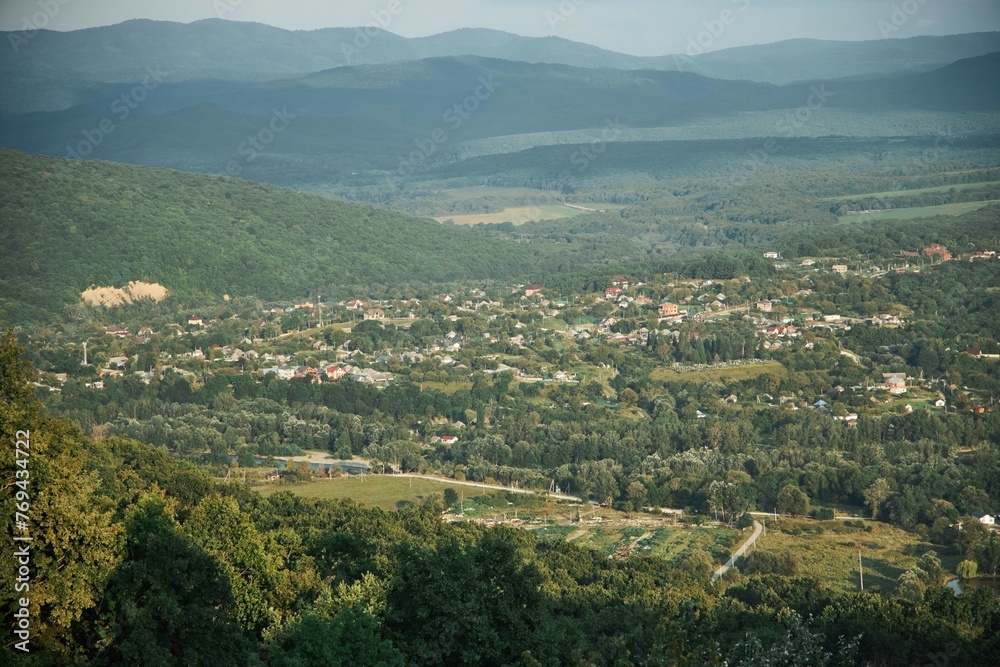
<point x="70" y="225"/>
<point x="140" y="559"/>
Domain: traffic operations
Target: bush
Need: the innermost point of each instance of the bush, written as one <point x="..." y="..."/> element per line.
<point x="745" y="521"/>
<point x="825" y="514"/>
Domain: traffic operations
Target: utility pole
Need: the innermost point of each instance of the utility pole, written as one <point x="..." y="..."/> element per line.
<point x="861" y="572"/>
<point x="84" y="354"/>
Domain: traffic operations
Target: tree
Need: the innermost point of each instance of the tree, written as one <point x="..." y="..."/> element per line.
<point x="168" y="603"/>
<point x="967" y="569"/>
<point x="698" y="564"/>
<point x="792" y="500"/>
<point x="911" y="586"/>
<point x="876" y="495"/>
<point x="350" y="638"/>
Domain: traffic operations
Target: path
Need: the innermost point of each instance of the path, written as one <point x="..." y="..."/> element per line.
<point x="757" y="530"/>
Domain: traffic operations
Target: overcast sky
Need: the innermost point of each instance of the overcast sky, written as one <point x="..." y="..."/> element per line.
<point x="641" y="27"/>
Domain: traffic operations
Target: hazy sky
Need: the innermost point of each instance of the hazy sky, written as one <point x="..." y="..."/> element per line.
<point x="642" y="27"/>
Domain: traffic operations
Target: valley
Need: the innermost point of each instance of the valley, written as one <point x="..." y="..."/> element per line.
<point x="333" y="346"/>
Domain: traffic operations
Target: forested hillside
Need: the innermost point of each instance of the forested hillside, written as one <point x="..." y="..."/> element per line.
<point x="56" y="70"/>
<point x="70" y="225"/>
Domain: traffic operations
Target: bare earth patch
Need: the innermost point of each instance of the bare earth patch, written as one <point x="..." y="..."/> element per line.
<point x="115" y="296"/>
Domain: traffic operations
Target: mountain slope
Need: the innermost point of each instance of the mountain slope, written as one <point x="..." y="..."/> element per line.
<point x="56" y="70"/>
<point x="69" y="225"/>
<point x="382" y="119"/>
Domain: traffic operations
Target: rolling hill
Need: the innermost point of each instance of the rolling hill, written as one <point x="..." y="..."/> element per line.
<point x="68" y="225"/>
<point x="382" y="121"/>
<point x="54" y="70"/>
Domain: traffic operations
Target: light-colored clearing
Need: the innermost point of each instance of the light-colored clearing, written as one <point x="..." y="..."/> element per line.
<point x="116" y="296"/>
<point x="519" y="215"/>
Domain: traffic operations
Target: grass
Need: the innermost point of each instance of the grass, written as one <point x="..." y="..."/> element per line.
<point x="828" y="551"/>
<point x="447" y="387"/>
<point x="903" y="193"/>
<point x="921" y="211"/>
<point x="733" y="374"/>
<point x="383" y="491"/>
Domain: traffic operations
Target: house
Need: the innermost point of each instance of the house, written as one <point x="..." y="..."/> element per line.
<point x="807" y="262"/>
<point x="667" y="309"/>
<point x="449" y="439"/>
<point x="940" y="403"/>
<point x="839" y="268"/>
<point x="375" y="314"/>
<point x="355" y="305"/>
<point x="937" y="250"/>
<point x="335" y="372"/>
<point x="983" y="518"/>
<point x="116" y="331"/>
<point x="612" y="293"/>
<point x="764" y="306"/>
<point x="620" y="281"/>
<point x="973" y="351"/>
<point x="895" y="383"/>
<point x="532" y="290"/>
<point x="195" y="321"/>
<point x="772" y="255"/>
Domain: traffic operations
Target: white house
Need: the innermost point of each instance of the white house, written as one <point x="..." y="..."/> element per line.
<point x="985" y="519"/>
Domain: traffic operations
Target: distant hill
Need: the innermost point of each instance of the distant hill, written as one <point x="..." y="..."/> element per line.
<point x="68" y="225"/>
<point x="56" y="70"/>
<point x="383" y="119"/>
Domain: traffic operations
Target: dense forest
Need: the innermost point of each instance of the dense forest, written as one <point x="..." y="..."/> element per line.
<point x="69" y="226"/>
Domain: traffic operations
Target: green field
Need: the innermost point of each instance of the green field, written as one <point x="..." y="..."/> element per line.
<point x="734" y="374"/>
<point x="383" y="491"/>
<point x="828" y="550"/>
<point x="903" y="193"/>
<point x="920" y="211"/>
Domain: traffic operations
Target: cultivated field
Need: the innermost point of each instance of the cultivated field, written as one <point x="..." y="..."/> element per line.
<point x="903" y="193"/>
<point x="921" y="211"/>
<point x="516" y="215"/>
<point x="728" y="374"/>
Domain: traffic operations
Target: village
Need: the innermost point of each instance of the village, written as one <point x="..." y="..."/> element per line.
<point x="539" y="335"/>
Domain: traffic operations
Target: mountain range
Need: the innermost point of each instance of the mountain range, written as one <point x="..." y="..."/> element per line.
<point x="57" y="70"/>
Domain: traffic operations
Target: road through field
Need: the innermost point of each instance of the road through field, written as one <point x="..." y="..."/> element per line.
<point x="757" y="530"/>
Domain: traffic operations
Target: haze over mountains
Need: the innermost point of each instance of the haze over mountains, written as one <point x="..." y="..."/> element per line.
<point x="268" y="104"/>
